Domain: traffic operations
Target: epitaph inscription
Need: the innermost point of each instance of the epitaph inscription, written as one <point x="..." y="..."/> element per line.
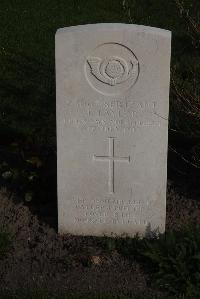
<point x="112" y="97"/>
<point x="109" y="210"/>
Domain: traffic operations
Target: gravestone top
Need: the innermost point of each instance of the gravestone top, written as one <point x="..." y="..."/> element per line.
<point x="115" y="26"/>
<point x="112" y="84"/>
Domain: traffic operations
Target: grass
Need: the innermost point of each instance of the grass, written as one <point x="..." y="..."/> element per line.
<point x="5" y="242"/>
<point x="171" y="259"/>
<point x="48" y="295"/>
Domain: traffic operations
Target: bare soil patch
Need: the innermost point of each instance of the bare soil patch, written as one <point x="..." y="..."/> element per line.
<point x="40" y="258"/>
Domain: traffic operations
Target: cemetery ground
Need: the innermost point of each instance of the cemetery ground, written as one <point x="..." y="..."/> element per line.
<point x="32" y="254"/>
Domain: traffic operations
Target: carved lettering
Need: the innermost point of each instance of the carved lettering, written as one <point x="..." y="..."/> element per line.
<point x="110" y="210"/>
<point x="116" y="115"/>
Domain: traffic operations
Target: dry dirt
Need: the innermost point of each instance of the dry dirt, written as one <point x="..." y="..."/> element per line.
<point x="40" y="258"/>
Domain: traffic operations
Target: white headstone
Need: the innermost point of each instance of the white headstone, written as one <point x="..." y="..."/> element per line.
<point x="112" y="84"/>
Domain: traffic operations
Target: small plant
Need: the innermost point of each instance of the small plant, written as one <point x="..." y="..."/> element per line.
<point x="172" y="259"/>
<point x="175" y="261"/>
<point x="25" y="171"/>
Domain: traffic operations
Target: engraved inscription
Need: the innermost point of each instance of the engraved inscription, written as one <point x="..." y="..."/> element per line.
<point x="111" y="68"/>
<point x="125" y="115"/>
<point x="111" y="158"/>
<point x="109" y="210"/>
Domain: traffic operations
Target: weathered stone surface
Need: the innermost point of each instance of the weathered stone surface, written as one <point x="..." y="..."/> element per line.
<point x="112" y="84"/>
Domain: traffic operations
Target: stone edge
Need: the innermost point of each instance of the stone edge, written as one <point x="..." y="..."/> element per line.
<point x="115" y="26"/>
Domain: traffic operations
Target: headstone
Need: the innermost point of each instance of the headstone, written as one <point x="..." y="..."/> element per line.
<point x="112" y="84"/>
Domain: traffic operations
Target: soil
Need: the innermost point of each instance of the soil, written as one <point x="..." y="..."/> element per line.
<point x="40" y="258"/>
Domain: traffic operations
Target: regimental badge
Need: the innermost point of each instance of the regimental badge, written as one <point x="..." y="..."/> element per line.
<point x="112" y="70"/>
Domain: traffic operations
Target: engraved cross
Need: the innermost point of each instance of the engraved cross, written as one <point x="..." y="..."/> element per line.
<point x="111" y="158"/>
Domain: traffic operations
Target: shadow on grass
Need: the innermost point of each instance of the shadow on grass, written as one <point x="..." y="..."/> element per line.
<point x="5" y="242"/>
<point x="47" y="295"/>
<point x="28" y="133"/>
